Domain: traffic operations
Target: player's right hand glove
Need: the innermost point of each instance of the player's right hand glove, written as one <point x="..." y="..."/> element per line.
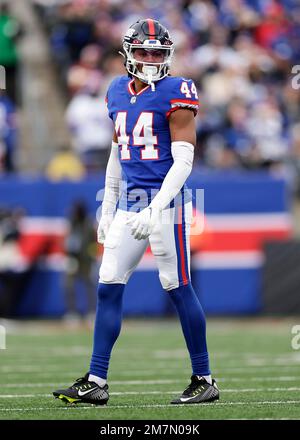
<point x="143" y="223"/>
<point x="103" y="227"/>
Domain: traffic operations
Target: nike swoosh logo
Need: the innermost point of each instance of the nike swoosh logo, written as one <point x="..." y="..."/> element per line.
<point x="185" y="399"/>
<point x="83" y="393"/>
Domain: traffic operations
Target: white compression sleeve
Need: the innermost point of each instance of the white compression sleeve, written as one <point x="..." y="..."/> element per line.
<point x="183" y="155"/>
<point x="112" y="181"/>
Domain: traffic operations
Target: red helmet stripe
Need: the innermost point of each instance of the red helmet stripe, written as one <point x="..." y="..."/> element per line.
<point x="151" y="29"/>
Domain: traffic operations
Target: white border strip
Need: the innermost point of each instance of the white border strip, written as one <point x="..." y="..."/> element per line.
<point x="217" y="222"/>
<point x="228" y="260"/>
<point x="44" y="225"/>
<point x="249" y="222"/>
<point x="214" y="260"/>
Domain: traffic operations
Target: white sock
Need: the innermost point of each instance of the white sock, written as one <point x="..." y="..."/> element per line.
<point x="98" y="380"/>
<point x="208" y="379"/>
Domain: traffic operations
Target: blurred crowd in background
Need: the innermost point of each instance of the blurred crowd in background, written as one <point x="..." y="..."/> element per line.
<point x="9" y="34"/>
<point x="239" y="53"/>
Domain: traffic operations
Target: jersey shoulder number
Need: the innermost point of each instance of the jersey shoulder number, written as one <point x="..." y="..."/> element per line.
<point x="182" y="94"/>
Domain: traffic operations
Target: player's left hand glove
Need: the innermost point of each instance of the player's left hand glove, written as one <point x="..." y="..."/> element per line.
<point x="142" y="223"/>
<point x="103" y="227"/>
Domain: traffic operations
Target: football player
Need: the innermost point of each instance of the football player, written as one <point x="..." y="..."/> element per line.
<point x="146" y="201"/>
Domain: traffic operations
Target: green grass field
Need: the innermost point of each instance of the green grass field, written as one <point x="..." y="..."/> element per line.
<point x="257" y="371"/>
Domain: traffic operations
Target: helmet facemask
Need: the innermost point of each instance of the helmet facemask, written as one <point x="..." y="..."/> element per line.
<point x="150" y="71"/>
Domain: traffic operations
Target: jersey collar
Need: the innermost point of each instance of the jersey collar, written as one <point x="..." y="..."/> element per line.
<point x="131" y="89"/>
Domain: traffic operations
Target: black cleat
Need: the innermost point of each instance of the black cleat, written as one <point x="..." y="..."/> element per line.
<point x="199" y="391"/>
<point x="83" y="391"/>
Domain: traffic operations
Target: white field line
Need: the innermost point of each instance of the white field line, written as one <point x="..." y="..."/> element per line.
<point x="242" y="369"/>
<point x="111" y="407"/>
<point x="146" y="393"/>
<point x="181" y="353"/>
<point x="12" y="356"/>
<point x="79" y="350"/>
<point x="152" y="382"/>
<point x="162" y="356"/>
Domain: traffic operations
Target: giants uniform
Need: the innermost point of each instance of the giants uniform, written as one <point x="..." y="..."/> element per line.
<point x="142" y="127"/>
<point x="143" y="157"/>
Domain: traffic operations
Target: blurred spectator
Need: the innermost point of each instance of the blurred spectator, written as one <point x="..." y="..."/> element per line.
<point x="294" y="164"/>
<point x="8" y="134"/>
<point x="65" y="165"/>
<point x="80" y="251"/>
<point x="265" y="125"/>
<point x="9" y="31"/>
<point x="216" y="54"/>
<point x="90" y="127"/>
<point x="72" y="30"/>
<point x="86" y="70"/>
<point x="15" y="270"/>
<point x="272" y="31"/>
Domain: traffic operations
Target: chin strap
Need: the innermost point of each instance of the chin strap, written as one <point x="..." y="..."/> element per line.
<point x="149" y="71"/>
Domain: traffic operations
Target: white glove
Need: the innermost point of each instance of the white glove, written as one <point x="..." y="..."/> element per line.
<point x="111" y="193"/>
<point x="103" y="227"/>
<point x="142" y="223"/>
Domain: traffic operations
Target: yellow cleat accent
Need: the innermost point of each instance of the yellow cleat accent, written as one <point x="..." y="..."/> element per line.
<point x="68" y="399"/>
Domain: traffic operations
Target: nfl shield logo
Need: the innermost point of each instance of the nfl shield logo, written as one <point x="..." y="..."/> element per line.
<point x="133" y="100"/>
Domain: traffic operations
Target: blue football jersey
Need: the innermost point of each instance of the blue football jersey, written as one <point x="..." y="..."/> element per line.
<point x="141" y="123"/>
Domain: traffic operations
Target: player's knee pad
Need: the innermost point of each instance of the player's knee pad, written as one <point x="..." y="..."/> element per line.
<point x="108" y="270"/>
<point x="168" y="281"/>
